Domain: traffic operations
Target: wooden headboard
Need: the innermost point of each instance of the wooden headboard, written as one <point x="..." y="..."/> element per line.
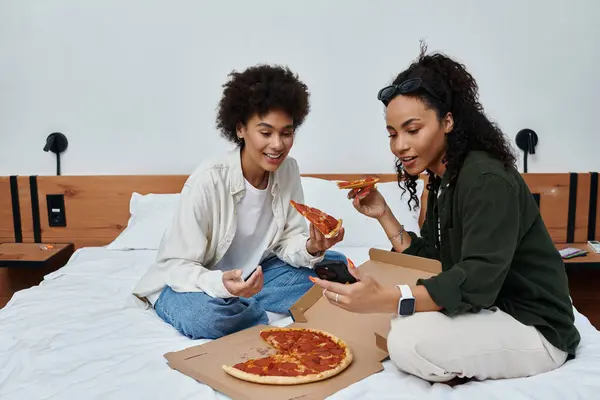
<point x="97" y="207"/>
<point x="566" y="203"/>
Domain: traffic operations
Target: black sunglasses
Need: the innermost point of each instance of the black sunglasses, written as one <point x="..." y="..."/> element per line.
<point x="386" y="94"/>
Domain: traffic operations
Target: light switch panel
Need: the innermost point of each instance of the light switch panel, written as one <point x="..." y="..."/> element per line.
<point x="56" y="210"/>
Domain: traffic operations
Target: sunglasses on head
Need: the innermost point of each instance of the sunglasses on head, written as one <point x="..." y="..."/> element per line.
<point x="386" y="94"/>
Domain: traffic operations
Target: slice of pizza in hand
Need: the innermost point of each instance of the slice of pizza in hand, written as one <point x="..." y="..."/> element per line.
<point x="325" y="223"/>
<point x="358" y="183"/>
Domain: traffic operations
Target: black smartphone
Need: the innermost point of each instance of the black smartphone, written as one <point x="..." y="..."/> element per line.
<point x="334" y="271"/>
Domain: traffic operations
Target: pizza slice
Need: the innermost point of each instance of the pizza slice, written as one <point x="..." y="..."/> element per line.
<point x="281" y="369"/>
<point x="325" y="223"/>
<point x="358" y="183"/>
<point x="297" y="341"/>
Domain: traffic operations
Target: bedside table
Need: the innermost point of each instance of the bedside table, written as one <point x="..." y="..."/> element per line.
<point x="584" y="274"/>
<point x="23" y="265"/>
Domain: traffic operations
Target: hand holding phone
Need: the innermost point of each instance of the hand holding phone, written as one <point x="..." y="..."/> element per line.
<point x="334" y="271"/>
<point x="233" y="282"/>
<point x="358" y="293"/>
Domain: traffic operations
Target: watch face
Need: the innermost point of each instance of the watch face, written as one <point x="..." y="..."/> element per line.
<point x="407" y="306"/>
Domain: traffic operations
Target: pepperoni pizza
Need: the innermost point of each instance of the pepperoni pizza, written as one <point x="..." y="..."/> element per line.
<point x="303" y="355"/>
<point x="358" y="183"/>
<point x="325" y="223"/>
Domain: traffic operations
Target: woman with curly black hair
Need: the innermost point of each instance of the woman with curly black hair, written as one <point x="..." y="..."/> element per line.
<point x="236" y="248"/>
<point x="500" y="308"/>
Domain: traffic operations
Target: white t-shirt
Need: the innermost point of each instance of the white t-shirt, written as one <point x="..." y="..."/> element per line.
<point x="254" y="217"/>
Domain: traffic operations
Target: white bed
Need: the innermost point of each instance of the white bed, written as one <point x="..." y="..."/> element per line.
<point x="79" y="334"/>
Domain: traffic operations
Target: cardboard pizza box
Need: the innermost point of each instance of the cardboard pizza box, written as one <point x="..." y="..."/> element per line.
<point x="365" y="334"/>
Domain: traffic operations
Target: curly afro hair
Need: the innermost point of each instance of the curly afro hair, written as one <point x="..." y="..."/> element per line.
<point x="472" y="128"/>
<point x="259" y="90"/>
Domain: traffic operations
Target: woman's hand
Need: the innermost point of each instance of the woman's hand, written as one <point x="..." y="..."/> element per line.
<point x="233" y="282"/>
<point x="365" y="296"/>
<point x="318" y="243"/>
<point x="370" y="203"/>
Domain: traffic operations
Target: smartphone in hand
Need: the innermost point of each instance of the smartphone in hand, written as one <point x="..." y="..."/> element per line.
<point x="334" y="271"/>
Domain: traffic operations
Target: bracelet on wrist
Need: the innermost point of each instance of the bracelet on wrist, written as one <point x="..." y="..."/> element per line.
<point x="400" y="235"/>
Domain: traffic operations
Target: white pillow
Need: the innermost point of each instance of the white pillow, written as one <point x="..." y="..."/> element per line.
<point x="151" y="214"/>
<point x="361" y="231"/>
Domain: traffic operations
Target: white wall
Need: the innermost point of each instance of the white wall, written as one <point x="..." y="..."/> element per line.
<point x="134" y="83"/>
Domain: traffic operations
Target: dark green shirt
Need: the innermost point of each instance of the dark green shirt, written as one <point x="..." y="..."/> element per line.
<point x="495" y="251"/>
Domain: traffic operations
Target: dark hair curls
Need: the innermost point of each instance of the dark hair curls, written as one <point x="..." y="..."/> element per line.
<point x="259" y="90"/>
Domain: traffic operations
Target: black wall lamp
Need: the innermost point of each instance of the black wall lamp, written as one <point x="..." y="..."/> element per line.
<point x="57" y="143"/>
<point x="526" y="140"/>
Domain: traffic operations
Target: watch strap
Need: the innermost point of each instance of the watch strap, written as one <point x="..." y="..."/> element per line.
<point x="405" y="291"/>
<point x="406" y="298"/>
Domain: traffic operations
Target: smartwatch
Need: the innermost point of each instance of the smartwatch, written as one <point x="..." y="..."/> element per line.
<point x="406" y="304"/>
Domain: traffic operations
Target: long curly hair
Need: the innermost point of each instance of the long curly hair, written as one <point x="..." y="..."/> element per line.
<point x="472" y="128"/>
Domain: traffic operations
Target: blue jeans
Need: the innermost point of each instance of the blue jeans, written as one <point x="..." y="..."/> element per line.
<point x="197" y="315"/>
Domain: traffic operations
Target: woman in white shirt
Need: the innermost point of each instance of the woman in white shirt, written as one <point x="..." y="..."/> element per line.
<point x="236" y="247"/>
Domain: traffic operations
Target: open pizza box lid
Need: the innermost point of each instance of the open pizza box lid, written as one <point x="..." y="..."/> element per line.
<point x="365" y="334"/>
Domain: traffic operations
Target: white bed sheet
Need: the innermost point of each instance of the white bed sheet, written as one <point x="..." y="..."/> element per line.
<point x="79" y="335"/>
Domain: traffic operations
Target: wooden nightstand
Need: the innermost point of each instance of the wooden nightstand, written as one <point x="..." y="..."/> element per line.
<point x="23" y="265"/>
<point x="584" y="275"/>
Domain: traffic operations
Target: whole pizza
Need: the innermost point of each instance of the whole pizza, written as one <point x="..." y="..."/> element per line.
<point x="303" y="355"/>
